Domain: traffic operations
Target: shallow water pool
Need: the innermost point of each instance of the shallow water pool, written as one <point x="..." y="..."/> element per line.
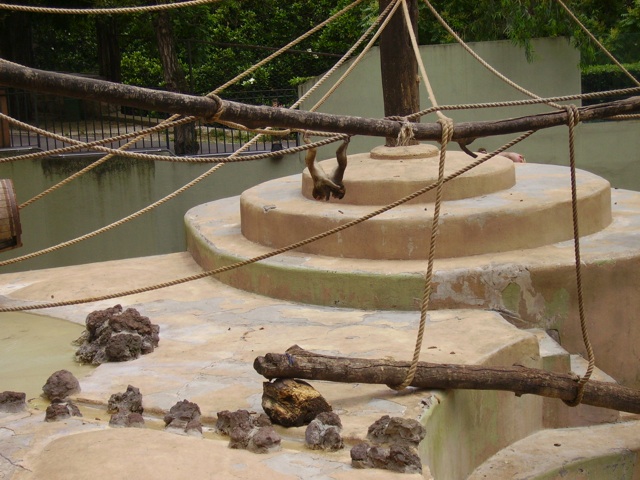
<point x="32" y="347"/>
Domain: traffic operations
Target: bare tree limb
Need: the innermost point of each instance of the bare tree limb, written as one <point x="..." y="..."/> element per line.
<point x="302" y="364"/>
<point x="18" y="76"/>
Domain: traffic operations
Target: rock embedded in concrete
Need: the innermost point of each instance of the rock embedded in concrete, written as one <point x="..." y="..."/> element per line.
<point x="114" y="335"/>
<point x="60" y="385"/>
<point x="184" y="417"/>
<point x="396" y="430"/>
<point x="395" y="446"/>
<point x="292" y="403"/>
<point x="126" y="408"/>
<point x="126" y="419"/>
<point x="248" y="431"/>
<point x="396" y="458"/>
<point x="323" y="433"/>
<point x="128" y="401"/>
<point x="61" y="410"/>
<point x="12" y="402"/>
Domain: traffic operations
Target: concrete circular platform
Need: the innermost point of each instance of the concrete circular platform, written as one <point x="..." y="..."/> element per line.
<point x="380" y="179"/>
<point x="534" y="211"/>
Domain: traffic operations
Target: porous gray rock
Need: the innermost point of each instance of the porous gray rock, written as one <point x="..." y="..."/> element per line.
<point x="126" y="408"/>
<point x="292" y="403"/>
<point x="396" y="430"/>
<point x="116" y="335"/>
<point x="248" y="431"/>
<point x="128" y="401"/>
<point x="60" y="385"/>
<point x="323" y="433"/>
<point x="184" y="417"/>
<point x="395" y="446"/>
<point x="264" y="440"/>
<point x="12" y="402"/>
<point x="61" y="410"/>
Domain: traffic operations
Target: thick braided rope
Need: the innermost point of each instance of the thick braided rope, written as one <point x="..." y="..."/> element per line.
<point x="114" y="224"/>
<point x="104" y="11"/>
<point x="79" y="145"/>
<point x="597" y="42"/>
<point x="482" y="61"/>
<point x="573" y="119"/>
<point x="148" y="208"/>
<point x="513" y="103"/>
<point x="447" y="134"/>
<point x="279" y="251"/>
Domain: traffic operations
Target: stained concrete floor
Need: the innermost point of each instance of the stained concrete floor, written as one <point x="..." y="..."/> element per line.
<point x="210" y="334"/>
<point x="209" y="337"/>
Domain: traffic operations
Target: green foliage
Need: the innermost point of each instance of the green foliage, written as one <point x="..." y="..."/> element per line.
<point x="218" y="41"/>
<point x="599" y="78"/>
<point x="141" y="70"/>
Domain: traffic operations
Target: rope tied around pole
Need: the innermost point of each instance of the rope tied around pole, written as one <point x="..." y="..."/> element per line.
<point x="573" y="119"/>
<point x="406" y="134"/>
<point x="447" y="135"/>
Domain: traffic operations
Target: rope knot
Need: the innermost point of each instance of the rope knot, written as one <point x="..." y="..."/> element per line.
<point x="447" y="130"/>
<point x="406" y="135"/>
<point x="573" y="115"/>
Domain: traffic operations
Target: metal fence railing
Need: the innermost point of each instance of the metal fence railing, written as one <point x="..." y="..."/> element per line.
<point x="88" y="120"/>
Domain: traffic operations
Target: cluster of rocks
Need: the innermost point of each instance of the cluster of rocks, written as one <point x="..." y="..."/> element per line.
<point x="395" y="441"/>
<point x="126" y="408"/>
<point x="248" y="431"/>
<point x="184" y="417"/>
<point x="57" y="389"/>
<point x="114" y="335"/>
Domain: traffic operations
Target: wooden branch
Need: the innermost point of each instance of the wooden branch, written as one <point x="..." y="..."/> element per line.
<point x="14" y="75"/>
<point x="302" y="364"/>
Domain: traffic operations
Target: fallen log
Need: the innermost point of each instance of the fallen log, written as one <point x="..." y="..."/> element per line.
<point x="299" y="363"/>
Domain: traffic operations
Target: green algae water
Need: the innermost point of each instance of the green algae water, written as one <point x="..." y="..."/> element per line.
<point x="32" y="347"/>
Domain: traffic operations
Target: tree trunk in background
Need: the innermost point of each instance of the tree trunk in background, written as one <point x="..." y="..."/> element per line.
<point x="398" y="65"/>
<point x="108" y="48"/>
<point x="185" y="142"/>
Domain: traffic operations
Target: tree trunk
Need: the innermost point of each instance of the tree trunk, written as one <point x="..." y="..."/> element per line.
<point x="185" y="142"/>
<point x="299" y="363"/>
<point x="108" y="48"/>
<point x="398" y="65"/>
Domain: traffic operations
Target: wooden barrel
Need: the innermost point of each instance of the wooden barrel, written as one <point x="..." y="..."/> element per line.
<point x="10" y="229"/>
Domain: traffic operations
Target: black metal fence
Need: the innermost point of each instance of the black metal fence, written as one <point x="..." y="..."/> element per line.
<point x="88" y="121"/>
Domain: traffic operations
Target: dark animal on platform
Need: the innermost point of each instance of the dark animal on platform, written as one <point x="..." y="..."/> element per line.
<point x="325" y="186"/>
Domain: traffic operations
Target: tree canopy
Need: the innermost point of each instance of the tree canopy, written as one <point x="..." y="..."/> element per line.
<point x="215" y="42"/>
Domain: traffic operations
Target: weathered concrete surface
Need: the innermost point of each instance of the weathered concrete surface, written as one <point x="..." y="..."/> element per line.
<point x="602" y="452"/>
<point x="210" y="335"/>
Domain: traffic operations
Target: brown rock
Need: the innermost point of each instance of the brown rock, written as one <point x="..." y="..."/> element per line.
<point x="60" y="385"/>
<point x="59" y="410"/>
<point x="12" y="402"/>
<point x="292" y="403"/>
<point x="114" y="335"/>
